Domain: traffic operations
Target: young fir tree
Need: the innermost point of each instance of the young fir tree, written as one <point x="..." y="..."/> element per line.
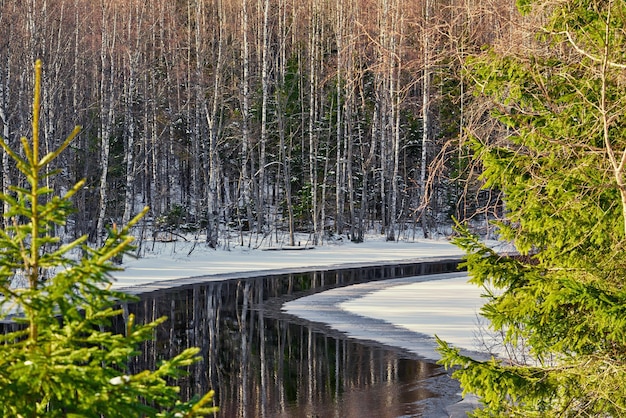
<point x="64" y="362"/>
<point x="561" y="170"/>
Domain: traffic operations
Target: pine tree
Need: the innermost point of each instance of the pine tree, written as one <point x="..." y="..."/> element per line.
<point x="561" y="170"/>
<point x="63" y="361"/>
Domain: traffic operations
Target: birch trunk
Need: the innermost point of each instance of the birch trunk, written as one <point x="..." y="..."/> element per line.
<point x="129" y="194"/>
<point x="394" y="116"/>
<point x="264" y="104"/>
<point x="133" y="31"/>
<point x="6" y="173"/>
<point x="285" y="150"/>
<point x="425" y="120"/>
<point x="245" y="200"/>
<point x="340" y="169"/>
<point x="213" y="124"/>
<point x="4" y="119"/>
<point x="313" y="145"/>
<point x="107" y="113"/>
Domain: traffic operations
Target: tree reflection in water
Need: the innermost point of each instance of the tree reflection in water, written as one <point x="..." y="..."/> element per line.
<point x="263" y="363"/>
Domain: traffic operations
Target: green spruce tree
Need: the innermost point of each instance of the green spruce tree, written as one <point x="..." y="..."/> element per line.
<point x="63" y="362"/>
<point x="561" y="97"/>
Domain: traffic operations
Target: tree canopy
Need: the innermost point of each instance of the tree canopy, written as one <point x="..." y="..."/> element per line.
<point x="560" y="97"/>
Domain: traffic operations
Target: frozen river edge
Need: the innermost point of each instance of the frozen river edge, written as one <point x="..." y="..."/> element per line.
<point x="406" y="313"/>
<point x="173" y="267"/>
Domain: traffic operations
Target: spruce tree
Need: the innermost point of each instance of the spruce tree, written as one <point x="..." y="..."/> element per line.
<point x="63" y="361"/>
<point x="561" y="97"/>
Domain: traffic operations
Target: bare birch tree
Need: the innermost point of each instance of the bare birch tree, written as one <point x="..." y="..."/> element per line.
<point x="213" y="116"/>
<point x="107" y="108"/>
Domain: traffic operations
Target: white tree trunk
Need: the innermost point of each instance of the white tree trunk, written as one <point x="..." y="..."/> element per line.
<point x="245" y="130"/>
<point x="129" y="194"/>
<point x="264" y="104"/>
<point x="107" y="114"/>
<point x="213" y="124"/>
<point x="425" y="121"/>
<point x="313" y="145"/>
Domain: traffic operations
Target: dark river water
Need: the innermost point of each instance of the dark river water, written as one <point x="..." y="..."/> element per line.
<point x="264" y="363"/>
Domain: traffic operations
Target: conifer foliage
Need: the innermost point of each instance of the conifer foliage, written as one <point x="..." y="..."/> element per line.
<point x="63" y="361"/>
<point x="561" y="98"/>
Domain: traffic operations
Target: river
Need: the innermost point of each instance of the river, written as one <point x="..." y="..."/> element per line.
<point x="264" y="363"/>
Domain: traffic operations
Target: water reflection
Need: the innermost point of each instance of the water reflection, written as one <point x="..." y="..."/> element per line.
<point x="263" y="363"/>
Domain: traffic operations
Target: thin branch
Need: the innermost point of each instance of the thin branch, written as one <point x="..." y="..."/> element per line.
<point x="581" y="51"/>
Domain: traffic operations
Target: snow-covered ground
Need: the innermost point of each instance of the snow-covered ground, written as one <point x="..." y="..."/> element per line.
<point x="417" y="308"/>
<point x="170" y="261"/>
<point x="403" y="313"/>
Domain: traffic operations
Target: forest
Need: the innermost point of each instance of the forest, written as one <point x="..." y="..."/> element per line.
<point x="318" y="116"/>
<point x="322" y="117"/>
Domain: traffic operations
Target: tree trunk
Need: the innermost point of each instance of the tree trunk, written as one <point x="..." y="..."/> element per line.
<point x="245" y="200"/>
<point x="313" y="101"/>
<point x="4" y="119"/>
<point x="213" y="124"/>
<point x="425" y="121"/>
<point x="107" y="114"/>
<point x="129" y="195"/>
<point x="264" y="103"/>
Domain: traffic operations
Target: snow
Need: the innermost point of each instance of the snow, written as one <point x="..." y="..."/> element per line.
<point x="405" y="313"/>
<point x="170" y="261"/>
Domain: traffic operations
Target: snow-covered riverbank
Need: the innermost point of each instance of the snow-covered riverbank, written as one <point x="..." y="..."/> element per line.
<point x="404" y="313"/>
<point x="170" y="261"/>
<point x="417" y="307"/>
<point x="407" y="313"/>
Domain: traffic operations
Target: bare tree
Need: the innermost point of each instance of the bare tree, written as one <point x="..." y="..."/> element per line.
<point x="245" y="181"/>
<point x="107" y="107"/>
<point x="213" y="115"/>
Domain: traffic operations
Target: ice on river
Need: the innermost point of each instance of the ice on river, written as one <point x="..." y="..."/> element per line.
<point x="416" y="308"/>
